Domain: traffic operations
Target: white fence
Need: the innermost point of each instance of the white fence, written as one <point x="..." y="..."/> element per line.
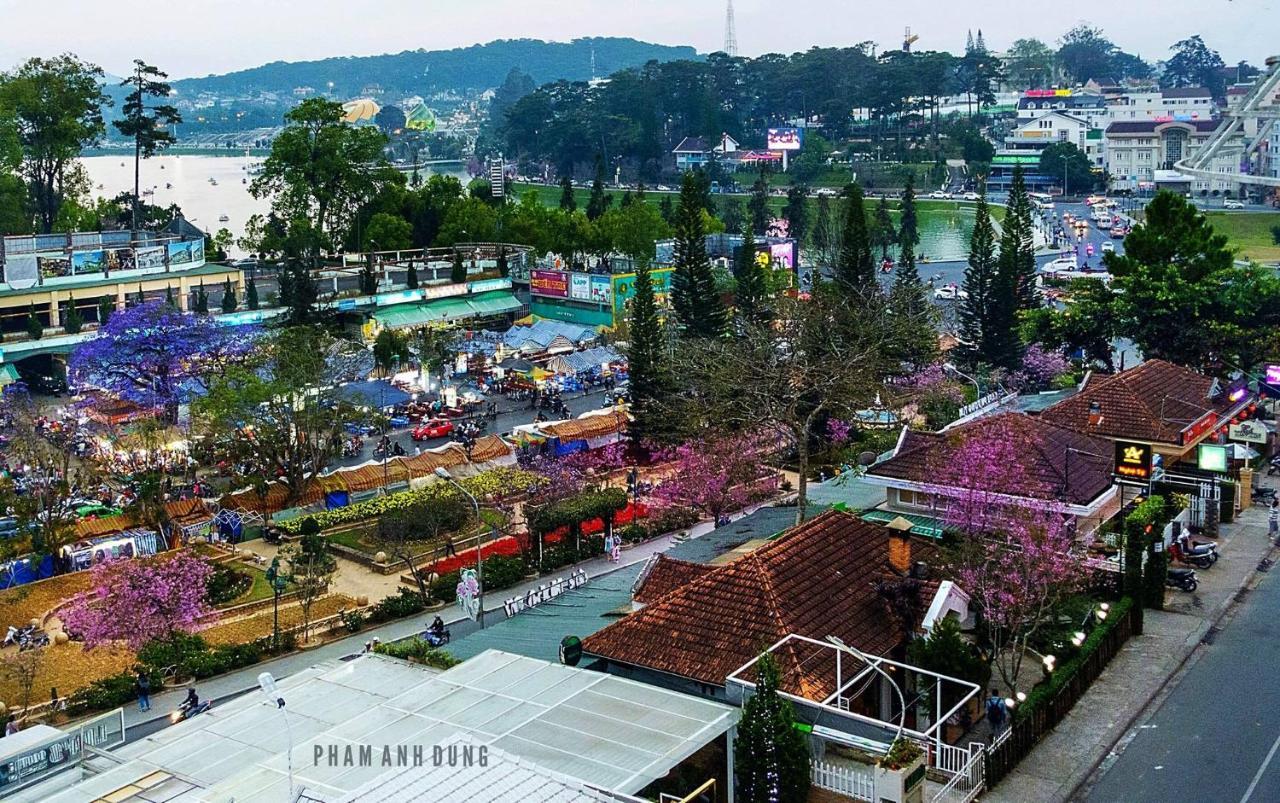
<point x="969" y="779"/>
<point x="844" y="780"/>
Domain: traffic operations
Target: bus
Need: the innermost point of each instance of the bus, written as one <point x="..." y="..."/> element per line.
<point x="1042" y="201"/>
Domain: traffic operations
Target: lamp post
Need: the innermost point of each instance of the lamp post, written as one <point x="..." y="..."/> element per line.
<point x="862" y="656"/>
<point x="443" y="473"/>
<point x="953" y="369"/>
<point x="267" y="683"/>
<point x="278" y="583"/>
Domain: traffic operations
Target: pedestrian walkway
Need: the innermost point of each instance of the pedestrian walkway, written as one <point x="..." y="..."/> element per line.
<point x="238" y="682"/>
<point x="1064" y="761"/>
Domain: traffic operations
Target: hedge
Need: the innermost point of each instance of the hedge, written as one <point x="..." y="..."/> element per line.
<point x="487" y="484"/>
<point x="420" y="651"/>
<point x="588" y="505"/>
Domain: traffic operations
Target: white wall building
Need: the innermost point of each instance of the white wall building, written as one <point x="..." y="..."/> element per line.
<point x="1183" y="103"/>
<point x="1085" y="106"/>
<point x="1141" y="154"/>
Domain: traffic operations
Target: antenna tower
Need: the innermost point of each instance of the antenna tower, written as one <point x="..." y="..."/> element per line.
<point x="730" y="32"/>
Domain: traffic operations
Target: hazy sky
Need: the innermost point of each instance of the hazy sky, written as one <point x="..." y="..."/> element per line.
<point x="189" y="37"/>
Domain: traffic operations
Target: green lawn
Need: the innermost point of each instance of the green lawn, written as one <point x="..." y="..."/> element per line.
<point x="1250" y="232"/>
<point x="363" y="538"/>
<point x="261" y="589"/>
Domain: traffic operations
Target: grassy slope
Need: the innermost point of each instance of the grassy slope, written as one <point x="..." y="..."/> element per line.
<point x="1250" y="232"/>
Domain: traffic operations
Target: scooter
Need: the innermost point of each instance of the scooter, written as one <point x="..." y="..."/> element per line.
<point x="1273" y="466"/>
<point x="32" y="641"/>
<point x="436" y="639"/>
<point x="1263" y="496"/>
<point x="184" y="712"/>
<point x="1201" y="560"/>
<point x="1184" y="579"/>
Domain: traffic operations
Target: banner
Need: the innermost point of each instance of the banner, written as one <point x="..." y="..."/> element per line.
<point x="54" y="264"/>
<point x="186" y="253"/>
<point x="580" y="286"/>
<point x="602" y="289"/>
<point x="549" y="283"/>
<point x="149" y="258"/>
<point x="88" y="262"/>
<point x="21" y="271"/>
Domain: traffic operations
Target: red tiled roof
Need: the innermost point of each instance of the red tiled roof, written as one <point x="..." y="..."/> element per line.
<point x="1150" y="402"/>
<point x="815" y="580"/>
<point x="1056" y="462"/>
<point x="667" y="575"/>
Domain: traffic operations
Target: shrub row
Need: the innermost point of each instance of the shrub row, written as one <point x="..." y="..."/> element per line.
<point x="416" y="649"/>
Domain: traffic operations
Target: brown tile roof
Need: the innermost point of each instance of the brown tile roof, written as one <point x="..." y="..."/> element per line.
<point x="592" y="426"/>
<point x="666" y="575"/>
<point x="1057" y="463"/>
<point x="815" y="580"/>
<point x="1151" y="402"/>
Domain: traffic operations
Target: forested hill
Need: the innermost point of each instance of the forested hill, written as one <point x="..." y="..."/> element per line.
<point x="421" y="72"/>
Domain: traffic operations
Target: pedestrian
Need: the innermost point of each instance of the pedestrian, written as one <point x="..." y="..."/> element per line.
<point x="143" y="687"/>
<point x="10" y="726"/>
<point x="1273" y="518"/>
<point x="449" y="548"/>
<point x="368" y="645"/>
<point x="997" y="712"/>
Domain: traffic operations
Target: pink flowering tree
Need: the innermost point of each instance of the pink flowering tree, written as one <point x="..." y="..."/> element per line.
<point x="137" y="601"/>
<point x="1017" y="562"/>
<point x="712" y="474"/>
<point x="1039" y="369"/>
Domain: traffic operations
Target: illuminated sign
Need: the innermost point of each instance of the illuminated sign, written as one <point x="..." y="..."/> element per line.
<point x="1203" y="424"/>
<point x="784" y="139"/>
<point x="1212" y="458"/>
<point x="549" y="283"/>
<point x="1248" y="432"/>
<point x="1133" y="460"/>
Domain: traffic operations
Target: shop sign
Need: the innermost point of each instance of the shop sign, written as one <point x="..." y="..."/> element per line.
<point x="1202" y="425"/>
<point x="1212" y="458"/>
<point x="1248" y="432"/>
<point x="549" y="283"/>
<point x="1133" y="460"/>
<point x="580" y="286"/>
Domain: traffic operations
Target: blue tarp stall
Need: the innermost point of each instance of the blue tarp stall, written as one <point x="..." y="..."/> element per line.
<point x="25" y="570"/>
<point x="561" y="448"/>
<point x="334" y="499"/>
<point x="378" y="394"/>
<point x="230" y="526"/>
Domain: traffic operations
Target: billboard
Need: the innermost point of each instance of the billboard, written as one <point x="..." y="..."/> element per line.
<point x="88" y="262"/>
<point x="602" y="289"/>
<point x="1134" y="461"/>
<point x="782" y="255"/>
<point x="784" y="139"/>
<point x="186" y="253"/>
<point x="150" y="258"/>
<point x="549" y="283"/>
<point x="580" y="286"/>
<point x="53" y="264"/>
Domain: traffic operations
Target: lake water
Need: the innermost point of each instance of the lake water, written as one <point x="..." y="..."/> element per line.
<point x="945" y="232"/>
<point x="202" y="201"/>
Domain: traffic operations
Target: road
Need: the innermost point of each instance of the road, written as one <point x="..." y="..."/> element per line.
<point x="1216" y="735"/>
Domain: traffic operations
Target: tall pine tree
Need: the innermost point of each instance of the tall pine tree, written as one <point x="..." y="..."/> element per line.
<point x="693" y="287"/>
<point x="251" y="294"/>
<point x="770" y="757"/>
<point x="909" y="226"/>
<point x="568" y="202"/>
<point x="646" y="361"/>
<point x="752" y="287"/>
<point x="598" y="203"/>
<point x="980" y="287"/>
<point x="228" y="297"/>
<point x="854" y="265"/>
<point x="1017" y="245"/>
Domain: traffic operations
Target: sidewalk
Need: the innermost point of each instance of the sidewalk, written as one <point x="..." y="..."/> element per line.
<point x="1063" y="762"/>
<point x="235" y="683"/>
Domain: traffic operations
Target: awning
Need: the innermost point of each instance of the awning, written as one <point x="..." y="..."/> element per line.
<point x="494" y="303"/>
<point x="8" y="375"/>
<point x="920" y="525"/>
<point x="450" y="309"/>
<point x="378" y="394"/>
<point x="403" y="315"/>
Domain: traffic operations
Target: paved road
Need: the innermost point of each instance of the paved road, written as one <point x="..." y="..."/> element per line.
<point x="1216" y="736"/>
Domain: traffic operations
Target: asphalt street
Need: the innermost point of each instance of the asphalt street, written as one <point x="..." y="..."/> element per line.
<point x="1216" y="735"/>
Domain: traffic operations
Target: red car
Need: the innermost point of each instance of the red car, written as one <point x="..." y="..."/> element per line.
<point x="435" y="428"/>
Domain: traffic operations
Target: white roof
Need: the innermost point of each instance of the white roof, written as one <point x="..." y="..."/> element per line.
<point x="615" y="734"/>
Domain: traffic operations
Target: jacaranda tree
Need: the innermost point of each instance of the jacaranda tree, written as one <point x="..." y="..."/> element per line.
<point x="157" y="356"/>
<point x="136" y="601"/>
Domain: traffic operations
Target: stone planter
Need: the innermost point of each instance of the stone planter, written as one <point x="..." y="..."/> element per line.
<point x="904" y="785"/>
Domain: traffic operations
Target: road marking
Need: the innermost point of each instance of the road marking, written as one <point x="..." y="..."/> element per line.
<point x="1248" y="793"/>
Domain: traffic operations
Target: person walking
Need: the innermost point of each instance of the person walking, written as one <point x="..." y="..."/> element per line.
<point x="997" y="713"/>
<point x="143" y="687"/>
<point x="449" y="549"/>
<point x="1273" y="519"/>
<point x="10" y="726"/>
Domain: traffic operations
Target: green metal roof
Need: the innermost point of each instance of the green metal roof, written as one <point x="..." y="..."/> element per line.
<point x="450" y="309"/>
<point x="494" y="302"/>
<point x="920" y="525"/>
<point x="403" y="315"/>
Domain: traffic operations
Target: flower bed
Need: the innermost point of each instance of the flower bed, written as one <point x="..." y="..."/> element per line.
<point x="506" y="547"/>
<point x="489" y="484"/>
<point x="252" y="628"/>
<point x="622" y="518"/>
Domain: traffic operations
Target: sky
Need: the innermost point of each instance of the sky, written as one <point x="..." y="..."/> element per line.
<point x="197" y="37"/>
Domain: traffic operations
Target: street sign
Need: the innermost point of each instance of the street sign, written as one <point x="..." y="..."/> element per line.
<point x="1133" y="460"/>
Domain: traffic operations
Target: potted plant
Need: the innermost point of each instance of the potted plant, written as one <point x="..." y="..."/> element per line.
<point x="900" y="773"/>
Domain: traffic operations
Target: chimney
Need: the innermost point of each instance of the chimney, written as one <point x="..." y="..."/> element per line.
<point x="900" y="545"/>
<point x="1095" y="413"/>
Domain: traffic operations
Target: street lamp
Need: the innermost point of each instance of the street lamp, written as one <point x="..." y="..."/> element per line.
<point x="947" y="366"/>
<point x="278" y="583"/>
<point x="874" y="664"/>
<point x="267" y="683"/>
<point x="443" y="473"/>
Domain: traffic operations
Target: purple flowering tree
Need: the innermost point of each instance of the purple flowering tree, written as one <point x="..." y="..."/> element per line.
<point x="154" y="355"/>
<point x="1017" y="562"/>
<point x="712" y="474"/>
<point x="136" y="601"/>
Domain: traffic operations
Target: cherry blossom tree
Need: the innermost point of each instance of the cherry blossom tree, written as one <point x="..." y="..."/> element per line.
<point x="1017" y="562"/>
<point x="140" y="600"/>
<point x="157" y="356"/>
<point x="712" y="474"/>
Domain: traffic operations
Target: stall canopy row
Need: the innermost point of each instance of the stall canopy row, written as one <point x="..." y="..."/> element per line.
<point x="445" y="310"/>
<point x="582" y="362"/>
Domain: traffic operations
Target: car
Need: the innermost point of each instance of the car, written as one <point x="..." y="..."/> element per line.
<point x="971" y="196"/>
<point x="1118" y="231"/>
<point x="435" y="428"/>
<point x="1108" y="247"/>
<point x="1233" y="204"/>
<point x="1093" y="199"/>
<point x="1060" y="265"/>
<point x="949" y="292"/>
<point x="940" y="195"/>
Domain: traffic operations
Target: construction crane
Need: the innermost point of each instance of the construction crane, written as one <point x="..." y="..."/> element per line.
<point x="908" y="39"/>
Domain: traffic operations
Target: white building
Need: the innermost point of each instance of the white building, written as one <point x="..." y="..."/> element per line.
<point x="1182" y="103"/>
<point x="1085" y="106"/>
<point x="1141" y="154"/>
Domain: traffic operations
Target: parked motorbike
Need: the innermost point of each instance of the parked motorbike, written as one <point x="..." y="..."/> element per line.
<point x="1202" y="559"/>
<point x="33" y="641"/>
<point x="1184" y="579"/>
<point x="1273" y="466"/>
<point x="1263" y="496"/>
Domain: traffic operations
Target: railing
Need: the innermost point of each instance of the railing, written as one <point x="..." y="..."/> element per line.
<point x="950" y="759"/>
<point x="843" y="780"/>
<point x="969" y="779"/>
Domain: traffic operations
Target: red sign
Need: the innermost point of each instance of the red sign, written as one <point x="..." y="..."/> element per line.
<point x="549" y="283"/>
<point x="1199" y="427"/>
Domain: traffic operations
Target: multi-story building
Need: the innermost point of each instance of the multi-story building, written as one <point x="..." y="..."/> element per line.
<point x="1141" y="154"/>
<point x="1181" y="103"/>
<point x="697" y="151"/>
<point x="1025" y="144"/>
<point x="1082" y="105"/>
